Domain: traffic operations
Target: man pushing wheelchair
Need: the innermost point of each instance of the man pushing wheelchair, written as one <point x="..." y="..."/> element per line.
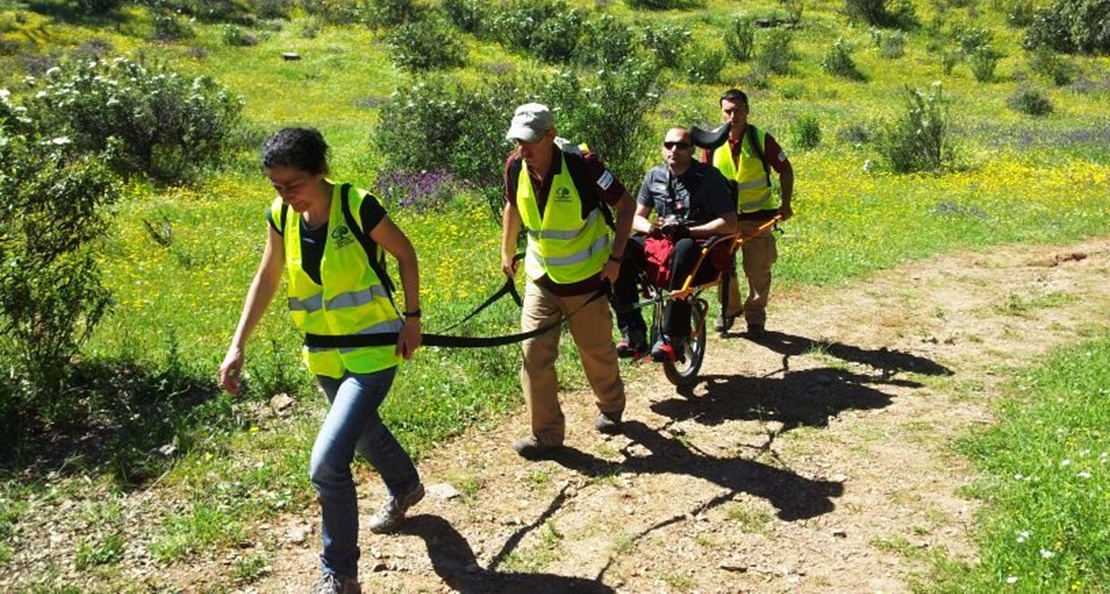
<point x="692" y="202"/>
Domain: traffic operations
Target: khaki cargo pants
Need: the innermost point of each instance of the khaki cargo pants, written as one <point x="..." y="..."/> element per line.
<point x="758" y="256"/>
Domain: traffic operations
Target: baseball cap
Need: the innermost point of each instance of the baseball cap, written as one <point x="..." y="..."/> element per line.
<point x="530" y="122"/>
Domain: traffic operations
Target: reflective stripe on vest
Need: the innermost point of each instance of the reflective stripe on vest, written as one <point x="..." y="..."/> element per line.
<point x="560" y="243"/>
<point x="350" y="300"/>
<point x="753" y="190"/>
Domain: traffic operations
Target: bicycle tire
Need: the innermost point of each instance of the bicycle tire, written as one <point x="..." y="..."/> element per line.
<point x="684" y="373"/>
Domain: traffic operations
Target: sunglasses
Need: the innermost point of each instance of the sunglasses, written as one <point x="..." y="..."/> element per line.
<point x="673" y="145"/>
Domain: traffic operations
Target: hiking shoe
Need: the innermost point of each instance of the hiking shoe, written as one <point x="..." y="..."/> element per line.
<point x="633" y="344"/>
<point x="756" y="331"/>
<point x="608" y="423"/>
<point x="668" y="350"/>
<point x="332" y="584"/>
<point x="530" y="448"/>
<point x="724" y="323"/>
<point x="392" y="511"/>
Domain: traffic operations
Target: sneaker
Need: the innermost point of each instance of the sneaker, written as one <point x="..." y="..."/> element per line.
<point x="331" y="584"/>
<point x="633" y="344"/>
<point x="724" y="323"/>
<point x="756" y="331"/>
<point x="668" y="350"/>
<point x="392" y="512"/>
<point x="530" y="448"/>
<point x="608" y="423"/>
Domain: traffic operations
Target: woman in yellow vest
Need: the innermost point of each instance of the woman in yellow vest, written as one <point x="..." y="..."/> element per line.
<point x="337" y="287"/>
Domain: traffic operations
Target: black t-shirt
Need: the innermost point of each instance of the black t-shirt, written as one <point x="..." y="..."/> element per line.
<point x="312" y="240"/>
<point x="699" y="195"/>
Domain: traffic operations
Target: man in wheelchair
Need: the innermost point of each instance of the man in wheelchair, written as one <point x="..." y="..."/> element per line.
<point x="692" y="202"/>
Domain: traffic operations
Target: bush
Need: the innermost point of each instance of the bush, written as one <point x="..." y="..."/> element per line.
<point x="467" y="15"/>
<point x="838" y="62"/>
<point x="740" y="39"/>
<point x="1052" y="66"/>
<point x="704" y="65"/>
<point x="234" y="35"/>
<point x="439" y="124"/>
<point x="1019" y="13"/>
<point x="667" y="43"/>
<point x="425" y="45"/>
<point x="99" y="6"/>
<point x="1071" y="26"/>
<point x="1030" y="101"/>
<point x="339" y="12"/>
<point x="169" y="27"/>
<point x="776" y="52"/>
<point x="663" y="4"/>
<point x="392" y="13"/>
<point x="606" y="41"/>
<point x="983" y="62"/>
<point x="169" y="127"/>
<point x="807" y="131"/>
<point x="893" y="46"/>
<point x="876" y="12"/>
<point x="548" y="29"/>
<point x="917" y="140"/>
<point x="52" y="208"/>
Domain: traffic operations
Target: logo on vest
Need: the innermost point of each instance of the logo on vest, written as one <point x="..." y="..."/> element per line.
<point x="342" y="236"/>
<point x="562" y="195"/>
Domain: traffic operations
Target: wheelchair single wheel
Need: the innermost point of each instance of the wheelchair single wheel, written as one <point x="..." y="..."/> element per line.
<point x="684" y="371"/>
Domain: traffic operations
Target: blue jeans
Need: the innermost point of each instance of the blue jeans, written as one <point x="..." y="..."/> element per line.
<point x="353" y="423"/>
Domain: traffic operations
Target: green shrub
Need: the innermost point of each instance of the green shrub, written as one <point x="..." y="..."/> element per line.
<point x="983" y="62"/>
<point x="740" y="39"/>
<point x="1019" y="13"/>
<point x="667" y="43"/>
<point x="1052" y="66"/>
<point x="877" y="13"/>
<point x="392" y="13"/>
<point x="53" y="203"/>
<point x="794" y="9"/>
<point x="606" y="41"/>
<point x="664" y="4"/>
<point x="893" y="46"/>
<point x="1030" y="101"/>
<point x="548" y="29"/>
<point x="467" y="15"/>
<point x="1071" y="26"/>
<point x="855" y="134"/>
<point x="234" y="35"/>
<point x="948" y="61"/>
<point x="99" y="6"/>
<point x="704" y="65"/>
<point x="169" y="127"/>
<point x="425" y="45"/>
<point x="440" y="124"/>
<point x="971" y="38"/>
<point x="776" y="52"/>
<point x="339" y="12"/>
<point x="807" y="131"/>
<point x="170" y="27"/>
<point x="838" y="62"/>
<point x="917" y="141"/>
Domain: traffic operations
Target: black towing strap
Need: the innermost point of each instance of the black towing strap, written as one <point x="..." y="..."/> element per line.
<point x="347" y="341"/>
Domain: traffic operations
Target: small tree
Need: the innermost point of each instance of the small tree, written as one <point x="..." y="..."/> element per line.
<point x="916" y="141"/>
<point x="168" y="126"/>
<point x="740" y="39"/>
<point x="52" y="207"/>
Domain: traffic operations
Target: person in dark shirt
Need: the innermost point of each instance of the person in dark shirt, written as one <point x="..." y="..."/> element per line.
<point x="692" y="202"/>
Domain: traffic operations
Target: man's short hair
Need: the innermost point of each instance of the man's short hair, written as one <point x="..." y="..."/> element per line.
<point x="734" y="96"/>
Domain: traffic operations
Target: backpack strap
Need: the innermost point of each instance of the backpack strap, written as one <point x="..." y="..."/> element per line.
<point x="753" y="141"/>
<point x="376" y="259"/>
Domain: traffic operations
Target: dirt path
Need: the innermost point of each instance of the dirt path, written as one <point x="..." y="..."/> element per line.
<point x="816" y="460"/>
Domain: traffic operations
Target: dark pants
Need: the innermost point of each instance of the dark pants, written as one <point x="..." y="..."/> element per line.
<point x="676" y="314"/>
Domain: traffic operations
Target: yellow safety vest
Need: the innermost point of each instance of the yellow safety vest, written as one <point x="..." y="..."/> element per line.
<point x="561" y="244"/>
<point x="753" y="188"/>
<point x="351" y="300"/>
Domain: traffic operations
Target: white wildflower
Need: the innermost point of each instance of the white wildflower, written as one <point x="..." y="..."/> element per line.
<point x="1011" y="580"/>
<point x="1047" y="554"/>
<point x="1065" y="462"/>
<point x="1084" y="475"/>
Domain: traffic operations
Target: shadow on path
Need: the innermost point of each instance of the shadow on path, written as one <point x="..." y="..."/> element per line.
<point x="886" y="361"/>
<point x="455" y="563"/>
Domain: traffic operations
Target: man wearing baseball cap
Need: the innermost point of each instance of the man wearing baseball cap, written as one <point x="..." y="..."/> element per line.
<point x="558" y="196"/>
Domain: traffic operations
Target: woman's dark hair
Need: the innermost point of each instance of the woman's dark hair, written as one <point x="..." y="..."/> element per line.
<point x="735" y="96"/>
<point x="302" y="148"/>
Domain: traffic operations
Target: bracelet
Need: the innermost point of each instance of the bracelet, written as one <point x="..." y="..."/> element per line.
<point x="615" y="258"/>
<point x="413" y="314"/>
